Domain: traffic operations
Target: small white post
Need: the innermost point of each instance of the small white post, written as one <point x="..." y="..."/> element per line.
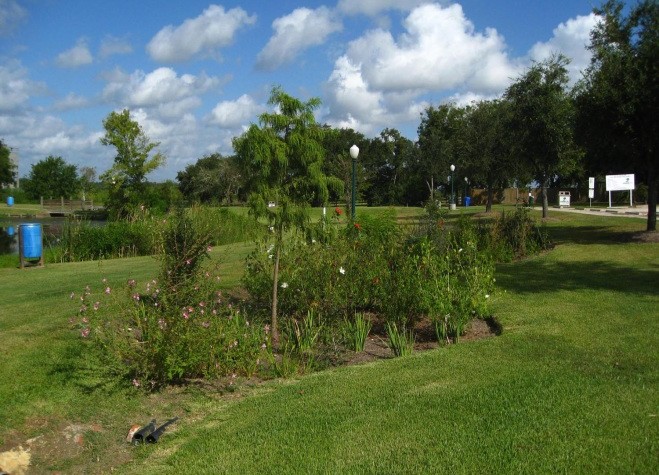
<point x="609" y="199"/>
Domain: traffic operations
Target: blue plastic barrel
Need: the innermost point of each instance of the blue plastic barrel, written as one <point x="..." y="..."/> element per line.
<point x="467" y="200"/>
<point x="10" y="231"/>
<point x="31" y="240"/>
<point x="10" y="201"/>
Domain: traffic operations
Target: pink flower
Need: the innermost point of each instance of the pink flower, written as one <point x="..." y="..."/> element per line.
<point x="85" y="320"/>
<point x="84" y="332"/>
<point x="136" y="383"/>
<point x="73" y="294"/>
<point x="205" y="324"/>
<point x="107" y="290"/>
<point x="186" y="315"/>
<point x="161" y="323"/>
<point x="209" y="248"/>
<point x="97" y="305"/>
<point x="136" y="297"/>
<point x="131" y="283"/>
<point x="188" y="261"/>
<point x="202" y="304"/>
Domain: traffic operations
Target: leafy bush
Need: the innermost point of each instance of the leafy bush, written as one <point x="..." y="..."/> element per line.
<point x="513" y="235"/>
<point x="371" y="266"/>
<point x="174" y="328"/>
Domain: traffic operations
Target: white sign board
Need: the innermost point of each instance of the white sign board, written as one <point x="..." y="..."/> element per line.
<point x="591" y="183"/>
<point x="620" y="182"/>
<point x="591" y="193"/>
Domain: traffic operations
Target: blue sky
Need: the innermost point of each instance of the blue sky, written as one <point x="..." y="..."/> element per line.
<point x="194" y="74"/>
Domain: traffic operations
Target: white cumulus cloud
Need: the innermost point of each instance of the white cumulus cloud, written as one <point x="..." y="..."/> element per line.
<point x="232" y="114"/>
<point x="213" y="29"/>
<point x="162" y="88"/>
<point x="440" y="50"/>
<point x="16" y="87"/>
<point x="79" y="55"/>
<point x="381" y="79"/>
<point x="294" y="33"/>
<point x="570" y="39"/>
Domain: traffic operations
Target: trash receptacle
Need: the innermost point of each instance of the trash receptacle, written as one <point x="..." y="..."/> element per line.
<point x="10" y="201"/>
<point x="30" y="243"/>
<point x="531" y="201"/>
<point x="563" y="199"/>
<point x="467" y="200"/>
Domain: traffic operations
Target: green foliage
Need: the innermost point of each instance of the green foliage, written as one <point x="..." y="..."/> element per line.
<point x="82" y="240"/>
<point x="212" y="179"/>
<point x="541" y="121"/>
<point x="371" y="266"/>
<point x="281" y="161"/>
<point x="515" y="235"/>
<point x="132" y="163"/>
<point x="7" y="168"/>
<point x="52" y="178"/>
<point x="617" y="99"/>
<point x="356" y="330"/>
<point x="401" y="340"/>
<point x="173" y="328"/>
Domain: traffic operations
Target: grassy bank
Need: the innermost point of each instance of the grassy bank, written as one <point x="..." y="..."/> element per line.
<point x="570" y="386"/>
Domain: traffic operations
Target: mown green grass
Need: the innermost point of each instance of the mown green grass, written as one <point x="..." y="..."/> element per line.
<point x="570" y="386"/>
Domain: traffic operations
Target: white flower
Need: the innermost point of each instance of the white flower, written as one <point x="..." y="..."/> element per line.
<point x="313" y="241"/>
<point x="284" y="285"/>
<point x="460" y="250"/>
<point x="487" y="296"/>
<point x="342" y="270"/>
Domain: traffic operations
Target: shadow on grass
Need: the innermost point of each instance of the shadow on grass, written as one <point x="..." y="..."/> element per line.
<point x="589" y="235"/>
<point x="534" y="276"/>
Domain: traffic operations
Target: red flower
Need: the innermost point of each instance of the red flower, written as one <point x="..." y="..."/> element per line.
<point x="338" y="211"/>
<point x="358" y="226"/>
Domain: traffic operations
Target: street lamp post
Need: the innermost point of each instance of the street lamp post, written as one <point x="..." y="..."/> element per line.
<point x="354" y="153"/>
<point x="452" y="194"/>
<point x="466" y="190"/>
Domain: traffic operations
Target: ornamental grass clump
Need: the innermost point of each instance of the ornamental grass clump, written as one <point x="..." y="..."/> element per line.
<point x="356" y="331"/>
<point x="401" y="340"/>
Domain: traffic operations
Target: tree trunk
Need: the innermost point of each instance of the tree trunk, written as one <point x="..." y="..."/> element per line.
<point x="490" y="198"/>
<point x="652" y="200"/>
<point x="545" y="201"/>
<point x="275" y="283"/>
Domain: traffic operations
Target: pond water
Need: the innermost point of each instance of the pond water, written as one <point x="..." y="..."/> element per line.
<point x="51" y="229"/>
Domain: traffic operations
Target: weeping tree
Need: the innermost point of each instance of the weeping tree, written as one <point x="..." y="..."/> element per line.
<point x="281" y="161"/>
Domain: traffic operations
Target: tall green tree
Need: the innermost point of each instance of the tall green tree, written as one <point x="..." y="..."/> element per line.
<point x="483" y="147"/>
<point x="281" y="160"/>
<point x="618" y="99"/>
<point x="7" y="169"/>
<point x="212" y="178"/>
<point x="134" y="160"/>
<point x="437" y="135"/>
<point x="52" y="178"/>
<point x="388" y="161"/>
<point x="541" y="122"/>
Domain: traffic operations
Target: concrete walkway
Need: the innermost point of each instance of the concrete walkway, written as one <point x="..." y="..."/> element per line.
<point x="640" y="211"/>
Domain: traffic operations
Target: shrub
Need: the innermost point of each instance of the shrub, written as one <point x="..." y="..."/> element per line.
<point x="513" y="235"/>
<point x="173" y="328"/>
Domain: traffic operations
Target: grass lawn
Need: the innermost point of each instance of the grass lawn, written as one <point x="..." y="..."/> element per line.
<point x="570" y="386"/>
